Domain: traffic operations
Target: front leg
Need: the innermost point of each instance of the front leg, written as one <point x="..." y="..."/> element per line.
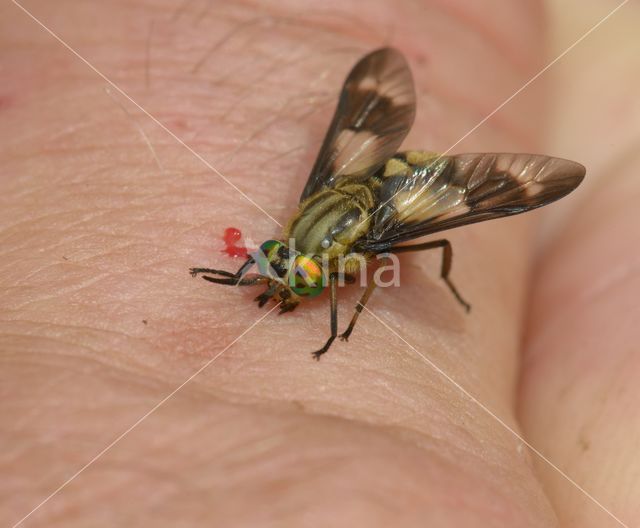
<point x="333" y="292"/>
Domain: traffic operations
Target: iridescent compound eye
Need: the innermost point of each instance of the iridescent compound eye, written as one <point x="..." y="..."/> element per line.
<point x="267" y="253"/>
<point x="306" y="278"/>
<point x="270" y="248"/>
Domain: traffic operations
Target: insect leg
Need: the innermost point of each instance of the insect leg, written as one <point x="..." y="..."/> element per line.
<point x="363" y="300"/>
<point x="333" y="291"/>
<point x="263" y="298"/>
<point x="447" y="257"/>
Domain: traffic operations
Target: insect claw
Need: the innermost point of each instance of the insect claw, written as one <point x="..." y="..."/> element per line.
<point x="261" y="300"/>
<point x="344" y="337"/>
<point x="287" y="307"/>
<point x="316" y="355"/>
<point x="264" y="297"/>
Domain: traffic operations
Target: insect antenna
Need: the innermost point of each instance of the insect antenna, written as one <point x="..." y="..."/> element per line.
<point x="245" y="269"/>
<point x="233" y="281"/>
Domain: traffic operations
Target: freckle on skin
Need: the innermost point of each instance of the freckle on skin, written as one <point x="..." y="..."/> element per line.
<point x="179" y="125"/>
<point x="584" y="443"/>
<point x="420" y="58"/>
<point x="5" y="101"/>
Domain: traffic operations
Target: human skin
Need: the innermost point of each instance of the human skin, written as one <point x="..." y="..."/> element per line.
<point x="100" y="321"/>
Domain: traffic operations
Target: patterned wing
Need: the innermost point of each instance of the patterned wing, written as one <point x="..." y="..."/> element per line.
<point x="422" y="193"/>
<point x="374" y="114"/>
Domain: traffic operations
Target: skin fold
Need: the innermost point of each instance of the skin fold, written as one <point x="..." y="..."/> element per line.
<point x="102" y="212"/>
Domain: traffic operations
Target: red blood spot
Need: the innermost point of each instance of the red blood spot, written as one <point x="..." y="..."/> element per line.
<point x="231" y="236"/>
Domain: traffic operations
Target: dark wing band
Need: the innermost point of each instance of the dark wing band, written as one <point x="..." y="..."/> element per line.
<point x="434" y="193"/>
<point x="374" y="114"/>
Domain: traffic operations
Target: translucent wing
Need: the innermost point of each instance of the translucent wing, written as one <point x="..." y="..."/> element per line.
<point x="375" y="112"/>
<point x="422" y="193"/>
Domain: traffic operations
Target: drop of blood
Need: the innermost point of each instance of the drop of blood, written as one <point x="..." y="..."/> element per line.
<point x="231" y="236"/>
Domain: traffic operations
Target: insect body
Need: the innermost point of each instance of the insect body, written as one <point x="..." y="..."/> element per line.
<point x="364" y="199"/>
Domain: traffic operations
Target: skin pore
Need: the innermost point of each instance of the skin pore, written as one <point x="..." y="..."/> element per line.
<point x="102" y="212"/>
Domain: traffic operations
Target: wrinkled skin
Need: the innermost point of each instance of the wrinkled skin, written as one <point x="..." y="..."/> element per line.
<point x="99" y="319"/>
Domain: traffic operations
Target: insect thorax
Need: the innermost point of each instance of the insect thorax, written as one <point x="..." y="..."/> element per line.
<point x="330" y="221"/>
